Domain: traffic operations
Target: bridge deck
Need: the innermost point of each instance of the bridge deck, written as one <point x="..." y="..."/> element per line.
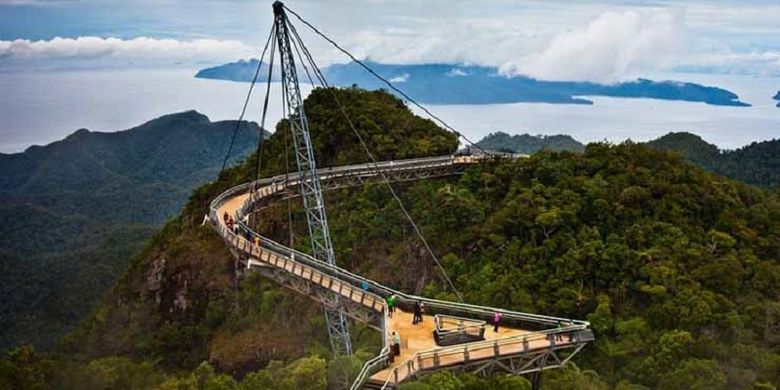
<point x="419" y="353"/>
<point x="416" y="338"/>
<point x="419" y="338"/>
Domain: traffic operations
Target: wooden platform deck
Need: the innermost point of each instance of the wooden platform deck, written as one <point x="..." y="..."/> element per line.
<point x="419" y="338"/>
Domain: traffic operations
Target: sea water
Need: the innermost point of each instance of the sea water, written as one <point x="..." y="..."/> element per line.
<point x="38" y="107"/>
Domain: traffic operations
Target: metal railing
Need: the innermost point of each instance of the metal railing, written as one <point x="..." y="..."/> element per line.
<point x="446" y="324"/>
<point x="437" y="358"/>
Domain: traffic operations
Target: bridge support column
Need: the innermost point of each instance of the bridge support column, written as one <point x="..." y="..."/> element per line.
<point x="536" y="380"/>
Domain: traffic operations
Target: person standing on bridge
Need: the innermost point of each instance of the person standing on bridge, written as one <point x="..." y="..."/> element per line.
<point x="418" y="310"/>
<point x="396" y="344"/>
<point x="496" y="320"/>
<point x="390" y="305"/>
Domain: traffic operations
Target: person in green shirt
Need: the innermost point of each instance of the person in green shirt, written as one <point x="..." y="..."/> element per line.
<point x="390" y="305"/>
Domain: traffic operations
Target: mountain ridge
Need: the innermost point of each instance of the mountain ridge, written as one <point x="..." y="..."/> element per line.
<point x="528" y="144"/>
<point x="676" y="269"/>
<point x="98" y="196"/>
<point x="757" y="163"/>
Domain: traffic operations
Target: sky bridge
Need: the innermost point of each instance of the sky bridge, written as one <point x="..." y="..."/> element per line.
<point x="451" y="336"/>
<point x="524" y="344"/>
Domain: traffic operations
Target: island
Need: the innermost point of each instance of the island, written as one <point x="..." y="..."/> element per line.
<point x="472" y="84"/>
<point x="777" y="97"/>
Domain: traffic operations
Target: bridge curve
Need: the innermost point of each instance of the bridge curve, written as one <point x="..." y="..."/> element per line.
<point x="525" y="343"/>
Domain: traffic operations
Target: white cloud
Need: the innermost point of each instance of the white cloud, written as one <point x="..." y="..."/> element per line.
<point x="472" y="41"/>
<point x="457" y="72"/>
<point x="760" y="63"/>
<point x="400" y="79"/>
<point x="614" y="46"/>
<point x="141" y="48"/>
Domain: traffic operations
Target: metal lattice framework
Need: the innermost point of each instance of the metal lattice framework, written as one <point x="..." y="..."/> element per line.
<point x="313" y="204"/>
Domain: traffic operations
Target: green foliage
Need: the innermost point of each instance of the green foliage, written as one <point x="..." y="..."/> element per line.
<point x="528" y="144"/>
<point x="757" y="163"/>
<point x="677" y="269"/>
<point x="664" y="259"/>
<point x="342" y="370"/>
<point x="76" y="211"/>
<point x="447" y="381"/>
<point x="694" y="374"/>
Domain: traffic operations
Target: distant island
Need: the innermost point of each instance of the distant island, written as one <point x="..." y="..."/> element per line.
<point x="528" y="144"/>
<point x="471" y="84"/>
<point x="777" y="97"/>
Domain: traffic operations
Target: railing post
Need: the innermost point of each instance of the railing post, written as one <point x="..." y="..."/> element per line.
<point x="495" y="349"/>
<point x="466" y="354"/>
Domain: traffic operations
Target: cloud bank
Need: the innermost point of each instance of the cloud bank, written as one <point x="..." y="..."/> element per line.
<point x="759" y="63"/>
<point x="141" y="48"/>
<point x="614" y="46"/>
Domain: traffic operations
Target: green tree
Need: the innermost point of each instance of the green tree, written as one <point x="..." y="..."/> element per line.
<point x="694" y="374"/>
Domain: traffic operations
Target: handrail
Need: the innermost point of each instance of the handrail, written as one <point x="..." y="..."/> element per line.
<point x="259" y="189"/>
<point x="460" y="324"/>
<point x="325" y="174"/>
<point x="413" y="364"/>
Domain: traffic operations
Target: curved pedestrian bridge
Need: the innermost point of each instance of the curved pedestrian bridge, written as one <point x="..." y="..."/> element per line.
<point x="524" y="343"/>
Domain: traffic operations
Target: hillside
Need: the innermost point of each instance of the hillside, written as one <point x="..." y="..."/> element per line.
<point x="677" y="270"/>
<point x="471" y="84"/>
<point x="528" y="144"/>
<point x="73" y="212"/>
<point x="757" y="163"/>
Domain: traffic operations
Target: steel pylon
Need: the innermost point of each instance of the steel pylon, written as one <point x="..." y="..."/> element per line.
<point x="311" y="192"/>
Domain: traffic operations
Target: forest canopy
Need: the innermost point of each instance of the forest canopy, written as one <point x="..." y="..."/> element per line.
<point x="677" y="269"/>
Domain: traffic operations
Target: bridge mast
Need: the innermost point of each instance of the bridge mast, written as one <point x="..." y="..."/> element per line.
<point x="311" y="192"/>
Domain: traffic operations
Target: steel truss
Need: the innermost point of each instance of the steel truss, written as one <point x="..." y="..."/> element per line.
<point x="318" y="293"/>
<point x="313" y="204"/>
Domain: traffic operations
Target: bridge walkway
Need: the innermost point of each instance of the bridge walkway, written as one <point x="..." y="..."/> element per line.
<point x="525" y="342"/>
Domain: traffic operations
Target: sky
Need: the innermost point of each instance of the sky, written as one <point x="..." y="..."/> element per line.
<point x="599" y="41"/>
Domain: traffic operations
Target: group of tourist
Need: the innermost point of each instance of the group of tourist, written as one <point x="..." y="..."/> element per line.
<point x="229" y="222"/>
<point x="395" y="338"/>
<point x="237" y="229"/>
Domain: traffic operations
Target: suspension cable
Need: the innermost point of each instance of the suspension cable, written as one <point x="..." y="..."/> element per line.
<point x="265" y="107"/>
<point x="315" y="69"/>
<point x="387" y="82"/>
<point x="303" y="64"/>
<point x="287" y="164"/>
<point x="385" y="179"/>
<point x="246" y="103"/>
